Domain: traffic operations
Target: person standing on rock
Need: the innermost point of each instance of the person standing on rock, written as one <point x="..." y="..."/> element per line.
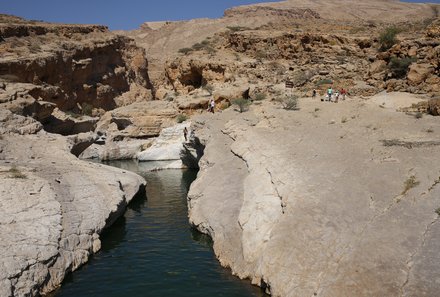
<point x="212" y="105"/>
<point x="314" y="93"/>
<point x="185" y="133"/>
<point x="343" y="93"/>
<point x="330" y="93"/>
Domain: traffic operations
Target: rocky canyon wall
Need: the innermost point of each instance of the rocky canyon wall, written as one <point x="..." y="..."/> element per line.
<point x="77" y="69"/>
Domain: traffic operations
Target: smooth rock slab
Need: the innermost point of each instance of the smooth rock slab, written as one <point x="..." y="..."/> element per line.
<point x="324" y="208"/>
<point x="51" y="218"/>
<point x="167" y="146"/>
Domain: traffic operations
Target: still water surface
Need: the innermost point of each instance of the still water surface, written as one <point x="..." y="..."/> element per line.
<point x="152" y="250"/>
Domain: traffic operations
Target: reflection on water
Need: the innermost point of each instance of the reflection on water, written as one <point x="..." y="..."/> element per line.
<point x="152" y="250"/>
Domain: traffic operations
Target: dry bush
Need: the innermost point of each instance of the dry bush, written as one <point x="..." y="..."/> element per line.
<point x="241" y="103"/>
<point x="410" y="183"/>
<point x="16" y="173"/>
<point x="181" y="118"/>
<point x="185" y="50"/>
<point x="260" y="96"/>
<point x="289" y="102"/>
<point x="388" y="38"/>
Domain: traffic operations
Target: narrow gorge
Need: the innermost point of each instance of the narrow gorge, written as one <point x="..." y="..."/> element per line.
<point x="302" y="191"/>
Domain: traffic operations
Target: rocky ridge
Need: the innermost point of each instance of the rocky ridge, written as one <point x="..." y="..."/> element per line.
<point x="261" y="58"/>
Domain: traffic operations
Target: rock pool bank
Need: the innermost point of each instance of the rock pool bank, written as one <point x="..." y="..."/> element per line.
<point x="331" y="200"/>
<point x="53" y="207"/>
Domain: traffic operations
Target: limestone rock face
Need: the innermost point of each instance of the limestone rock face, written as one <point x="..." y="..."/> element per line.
<point x="298" y="217"/>
<point x="115" y="150"/>
<point x="167" y="146"/>
<point x="12" y="123"/>
<point x="138" y="120"/>
<point x="53" y="207"/>
<point x="78" y="69"/>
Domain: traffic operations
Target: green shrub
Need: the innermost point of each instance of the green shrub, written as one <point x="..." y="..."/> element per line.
<point x="399" y="66"/>
<point x="241" y="103"/>
<point x="198" y="46"/>
<point x="289" y="102"/>
<point x="210" y="50"/>
<point x="260" y="96"/>
<point x="87" y="109"/>
<point x="388" y="38"/>
<point x="181" y="118"/>
<point x="260" y="55"/>
<point x="237" y="28"/>
<point x="185" y="50"/>
<point x="324" y="82"/>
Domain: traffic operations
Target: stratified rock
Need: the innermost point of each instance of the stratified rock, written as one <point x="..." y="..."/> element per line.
<point x="75" y="67"/>
<point x="12" y="123"/>
<point x="138" y="120"/>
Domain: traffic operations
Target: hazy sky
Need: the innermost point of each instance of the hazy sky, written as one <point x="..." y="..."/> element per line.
<point x="122" y="14"/>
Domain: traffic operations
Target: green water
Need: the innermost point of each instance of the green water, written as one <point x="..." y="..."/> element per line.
<point x="152" y="250"/>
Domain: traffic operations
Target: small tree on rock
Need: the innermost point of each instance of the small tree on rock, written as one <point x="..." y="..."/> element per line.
<point x="288" y="102"/>
<point x="241" y="103"/>
<point x="388" y="38"/>
<point x="399" y="66"/>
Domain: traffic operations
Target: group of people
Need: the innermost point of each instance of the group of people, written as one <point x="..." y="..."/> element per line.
<point x="332" y="95"/>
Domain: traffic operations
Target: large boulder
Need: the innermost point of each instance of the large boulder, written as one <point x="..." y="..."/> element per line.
<point x="418" y="73"/>
<point x="167" y="146"/>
